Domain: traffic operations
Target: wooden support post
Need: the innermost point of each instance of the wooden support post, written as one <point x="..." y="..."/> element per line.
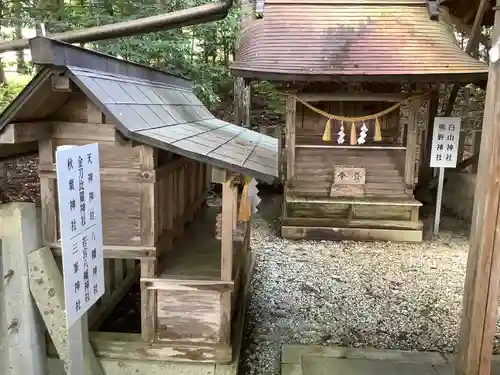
<point x="47" y="288"/>
<point x="411" y="143"/>
<point x="148" y="267"/>
<point x="278" y="133"/>
<point x="48" y="195"/>
<point x="476" y="147"/>
<point x="481" y="291"/>
<point x="291" y="107"/>
<point x="242" y="97"/>
<point x="22" y="335"/>
<point x="461" y="146"/>
<point x="425" y="173"/>
<point x="226" y="267"/>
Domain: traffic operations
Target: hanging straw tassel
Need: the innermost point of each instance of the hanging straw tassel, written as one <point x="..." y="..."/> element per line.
<point x="353" y="133"/>
<point x="378" y="132"/>
<point x="244" y="211"/>
<point x="327" y="135"/>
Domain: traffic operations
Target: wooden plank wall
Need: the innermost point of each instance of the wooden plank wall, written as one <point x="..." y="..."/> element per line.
<point x="80" y="122"/>
<point x="180" y="190"/>
<point x="384" y="170"/>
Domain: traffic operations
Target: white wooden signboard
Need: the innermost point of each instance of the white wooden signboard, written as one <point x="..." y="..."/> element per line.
<point x="444" y="154"/>
<point x="79" y="187"/>
<point x="445" y="139"/>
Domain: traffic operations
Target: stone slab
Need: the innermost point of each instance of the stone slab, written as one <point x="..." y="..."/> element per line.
<point x="321" y="365"/>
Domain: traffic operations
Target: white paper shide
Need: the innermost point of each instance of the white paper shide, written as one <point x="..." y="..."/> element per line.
<point x="445" y="139"/>
<point x="79" y="188"/>
<point x="253" y="195"/>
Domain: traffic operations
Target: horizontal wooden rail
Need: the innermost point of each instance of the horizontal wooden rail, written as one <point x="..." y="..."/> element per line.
<point x="187" y="285"/>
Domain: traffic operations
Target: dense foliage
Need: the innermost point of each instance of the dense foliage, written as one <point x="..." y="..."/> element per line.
<point x="202" y="53"/>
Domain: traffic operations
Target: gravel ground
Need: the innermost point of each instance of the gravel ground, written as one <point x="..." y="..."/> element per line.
<point x="354" y="294"/>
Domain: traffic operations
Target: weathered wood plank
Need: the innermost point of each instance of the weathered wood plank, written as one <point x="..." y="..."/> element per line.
<point x="20" y="322"/>
<point x="290" y="124"/>
<point x="47" y="288"/>
<point x="25" y="132"/>
<point x="481" y="290"/>
<point x="351" y="223"/>
<point x="357" y="234"/>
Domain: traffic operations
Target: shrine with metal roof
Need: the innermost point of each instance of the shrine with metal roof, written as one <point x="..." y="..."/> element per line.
<point x="356" y="76"/>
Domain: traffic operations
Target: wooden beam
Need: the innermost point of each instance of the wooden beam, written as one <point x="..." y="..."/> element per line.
<point x="10" y="150"/>
<point x="350" y="97"/>
<point x="25" y="132"/>
<point x="187" y="285"/>
<point x="62" y="83"/>
<point x="466" y="29"/>
<point x="357" y="234"/>
<point x="116" y="251"/>
<point x="433" y="9"/>
<point x="481" y="290"/>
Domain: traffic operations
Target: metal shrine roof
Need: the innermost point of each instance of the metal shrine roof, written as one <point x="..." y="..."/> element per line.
<point x="346" y="40"/>
<point x="155" y="112"/>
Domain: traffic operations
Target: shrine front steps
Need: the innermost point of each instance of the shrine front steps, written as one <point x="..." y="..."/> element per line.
<point x="361" y="219"/>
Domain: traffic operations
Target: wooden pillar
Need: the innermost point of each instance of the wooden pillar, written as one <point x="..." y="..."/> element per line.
<point x="226" y="266"/>
<point x="22" y="342"/>
<point x="242" y="97"/>
<point x="291" y="108"/>
<point x="476" y="147"/>
<point x="148" y="267"/>
<point x="480" y="301"/>
<point x="48" y="196"/>
<point x="411" y="143"/>
<point x="425" y="172"/>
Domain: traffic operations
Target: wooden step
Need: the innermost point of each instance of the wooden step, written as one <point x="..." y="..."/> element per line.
<point x="374" y="201"/>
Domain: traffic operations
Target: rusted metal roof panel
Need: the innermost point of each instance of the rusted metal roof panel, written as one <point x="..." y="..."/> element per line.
<point x="332" y="41"/>
<point x="172" y="118"/>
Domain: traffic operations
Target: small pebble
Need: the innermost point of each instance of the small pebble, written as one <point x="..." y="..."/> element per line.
<point x="355" y="294"/>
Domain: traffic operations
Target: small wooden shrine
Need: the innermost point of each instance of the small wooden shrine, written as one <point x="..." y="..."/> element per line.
<point x="360" y="80"/>
<point x="160" y="149"/>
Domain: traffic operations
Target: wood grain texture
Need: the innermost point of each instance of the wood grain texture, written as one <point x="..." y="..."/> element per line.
<point x="383" y="171"/>
<point x="481" y="290"/>
<point x="48" y="194"/>
<point x="290" y="129"/>
<point x="356" y="234"/>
